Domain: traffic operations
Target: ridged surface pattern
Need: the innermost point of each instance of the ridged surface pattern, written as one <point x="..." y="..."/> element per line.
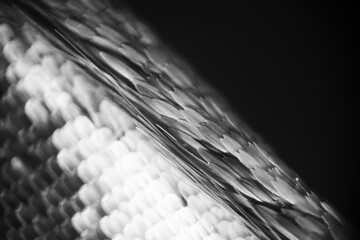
<point x="184" y="117"/>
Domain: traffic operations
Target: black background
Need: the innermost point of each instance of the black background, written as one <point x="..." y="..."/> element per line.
<point x="288" y="68"/>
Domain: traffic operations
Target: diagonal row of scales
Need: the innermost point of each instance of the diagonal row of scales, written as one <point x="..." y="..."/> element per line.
<point x="66" y="174"/>
<point x="106" y="135"/>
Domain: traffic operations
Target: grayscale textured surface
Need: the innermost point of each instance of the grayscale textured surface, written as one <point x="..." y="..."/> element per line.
<point x="188" y="120"/>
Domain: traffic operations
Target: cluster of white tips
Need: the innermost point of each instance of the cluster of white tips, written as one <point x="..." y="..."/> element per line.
<point x="142" y="196"/>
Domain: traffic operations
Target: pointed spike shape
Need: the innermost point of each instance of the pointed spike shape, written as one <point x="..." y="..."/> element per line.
<point x="120" y="67"/>
<point x="79" y="29"/>
<point x="287" y="192"/>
